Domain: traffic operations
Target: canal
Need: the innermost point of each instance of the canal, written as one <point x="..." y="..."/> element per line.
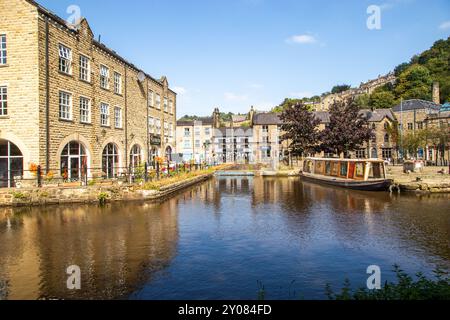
<point x="223" y="239"/>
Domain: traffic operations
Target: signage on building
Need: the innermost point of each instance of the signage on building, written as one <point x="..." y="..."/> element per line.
<point x="155" y="140"/>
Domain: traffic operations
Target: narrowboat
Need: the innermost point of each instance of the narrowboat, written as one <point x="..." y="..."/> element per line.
<point x="356" y="174"/>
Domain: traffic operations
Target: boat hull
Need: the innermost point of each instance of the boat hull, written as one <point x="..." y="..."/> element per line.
<point x="376" y="185"/>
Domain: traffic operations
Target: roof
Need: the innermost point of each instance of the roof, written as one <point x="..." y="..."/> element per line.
<point x="269" y="118"/>
<point x="378" y="114"/>
<point x="416" y="104"/>
<point x="199" y="121"/>
<point x="62" y="22"/>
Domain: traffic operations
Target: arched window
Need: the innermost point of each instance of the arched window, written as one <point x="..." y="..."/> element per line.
<point x="374" y="154"/>
<point x="374" y="126"/>
<point x="386" y="138"/>
<point x="74" y="161"/>
<point x="110" y="161"/>
<point x="135" y="156"/>
<point x="11" y="164"/>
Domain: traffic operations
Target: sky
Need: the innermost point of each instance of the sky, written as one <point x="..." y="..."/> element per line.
<point x="234" y="54"/>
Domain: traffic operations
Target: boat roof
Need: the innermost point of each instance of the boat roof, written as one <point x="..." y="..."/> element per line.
<point x="345" y="160"/>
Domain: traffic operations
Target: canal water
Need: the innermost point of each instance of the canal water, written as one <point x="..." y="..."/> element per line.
<point x="224" y="239"/>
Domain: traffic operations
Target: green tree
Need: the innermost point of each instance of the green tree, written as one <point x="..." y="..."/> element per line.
<point x="382" y="100"/>
<point x="340" y="88"/>
<point x="362" y="101"/>
<point x="415" y="83"/>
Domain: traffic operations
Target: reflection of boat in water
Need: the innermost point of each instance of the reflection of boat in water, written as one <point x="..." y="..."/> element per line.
<point x="366" y="175"/>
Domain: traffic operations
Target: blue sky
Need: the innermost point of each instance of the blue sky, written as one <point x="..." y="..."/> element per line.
<point x="233" y="54"/>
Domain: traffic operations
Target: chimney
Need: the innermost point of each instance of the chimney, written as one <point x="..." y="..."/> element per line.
<point x="436" y="93"/>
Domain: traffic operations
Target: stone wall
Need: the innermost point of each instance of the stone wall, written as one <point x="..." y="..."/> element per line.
<point x="61" y="195"/>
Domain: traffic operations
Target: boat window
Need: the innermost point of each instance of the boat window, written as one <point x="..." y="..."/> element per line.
<point x="319" y="167"/>
<point x="328" y="168"/>
<point x="334" y="169"/>
<point x="375" y="171"/>
<point x="308" y="166"/>
<point x="359" y="172"/>
<point x="344" y="169"/>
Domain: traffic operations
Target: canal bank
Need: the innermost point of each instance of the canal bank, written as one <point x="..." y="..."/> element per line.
<point x="96" y="193"/>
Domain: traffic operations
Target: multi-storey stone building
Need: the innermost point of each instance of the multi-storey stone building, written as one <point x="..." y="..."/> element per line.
<point x="195" y="139"/>
<point x="72" y="105"/>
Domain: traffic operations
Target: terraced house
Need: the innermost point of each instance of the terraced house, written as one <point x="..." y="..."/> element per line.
<point x="72" y="105"/>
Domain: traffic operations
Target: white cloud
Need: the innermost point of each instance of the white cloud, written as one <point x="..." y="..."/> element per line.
<point x="230" y="96"/>
<point x="302" y="39"/>
<point x="180" y="90"/>
<point x="445" y="25"/>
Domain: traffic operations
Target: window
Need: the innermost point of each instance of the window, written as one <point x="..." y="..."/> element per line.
<point x="265" y="129"/>
<point x="104" y="114"/>
<point x="151" y="125"/>
<point x="197" y="144"/>
<point x="117" y="83"/>
<point x="85" y="68"/>
<point x="410" y="126"/>
<point x="3" y="101"/>
<point x="65" y="59"/>
<point x="387" y="153"/>
<point x="386" y="138"/>
<point x="104" y="77"/>
<point x="3" y="54"/>
<point x="361" y="154"/>
<point x="386" y="126"/>
<point x="198" y="131"/>
<point x="420" y="125"/>
<point x="187" y="144"/>
<point x="11" y="164"/>
<point x="265" y="140"/>
<point x="118" y="117"/>
<point x="135" y="157"/>
<point x="207" y="131"/>
<point x="187" y="132"/>
<point x="74" y="161"/>
<point x="158" y="102"/>
<point x="85" y="110"/>
<point x="170" y="130"/>
<point x="171" y="106"/>
<point x="158" y="126"/>
<point x="166" y="106"/>
<point x="166" y="129"/>
<point x="151" y="100"/>
<point x="65" y="105"/>
<point x="110" y="163"/>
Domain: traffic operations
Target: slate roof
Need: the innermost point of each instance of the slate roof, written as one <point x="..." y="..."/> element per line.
<point x="378" y="114"/>
<point x="239" y="118"/>
<point x="416" y="104"/>
<point x="265" y="119"/>
<point x="203" y="120"/>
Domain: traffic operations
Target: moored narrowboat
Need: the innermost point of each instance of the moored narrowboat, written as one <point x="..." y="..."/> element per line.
<point x="357" y="174"/>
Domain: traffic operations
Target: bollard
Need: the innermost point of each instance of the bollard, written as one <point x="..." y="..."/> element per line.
<point x="39" y="176"/>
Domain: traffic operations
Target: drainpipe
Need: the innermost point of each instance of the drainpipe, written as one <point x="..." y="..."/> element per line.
<point x="47" y="98"/>
<point x="126" y="118"/>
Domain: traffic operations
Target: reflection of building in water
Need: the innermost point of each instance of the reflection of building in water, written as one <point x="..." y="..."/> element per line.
<point x="116" y="247"/>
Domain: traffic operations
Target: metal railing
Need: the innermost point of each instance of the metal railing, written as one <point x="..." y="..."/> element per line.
<point x="86" y="176"/>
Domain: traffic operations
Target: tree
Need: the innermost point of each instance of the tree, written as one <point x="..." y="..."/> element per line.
<point x="348" y="128"/>
<point x="363" y="101"/>
<point x="340" y="88"/>
<point x="382" y="100"/>
<point x="301" y="129"/>
<point x="414" y="83"/>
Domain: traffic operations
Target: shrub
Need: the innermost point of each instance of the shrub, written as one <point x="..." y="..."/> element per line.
<point x="406" y="288"/>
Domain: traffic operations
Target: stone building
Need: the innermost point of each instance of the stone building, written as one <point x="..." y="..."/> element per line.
<point x="234" y="145"/>
<point x="195" y="139"/>
<point x="414" y="116"/>
<point x="72" y="105"/>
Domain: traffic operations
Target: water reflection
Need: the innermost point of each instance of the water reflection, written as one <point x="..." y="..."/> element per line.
<point x="217" y="239"/>
<point x="116" y="248"/>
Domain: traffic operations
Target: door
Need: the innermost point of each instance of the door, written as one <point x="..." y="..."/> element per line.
<point x="74" y="168"/>
<point x="351" y="170"/>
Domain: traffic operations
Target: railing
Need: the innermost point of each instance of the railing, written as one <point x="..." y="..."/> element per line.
<point x="86" y="176"/>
